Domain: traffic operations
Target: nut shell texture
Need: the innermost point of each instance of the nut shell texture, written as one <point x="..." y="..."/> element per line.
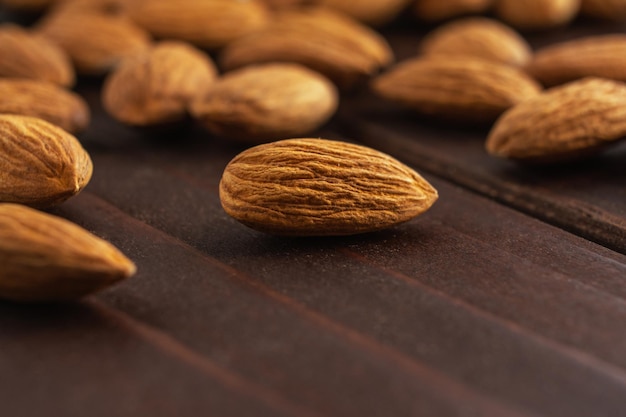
<point x="46" y="258"/>
<point x="272" y="101"/>
<point x="317" y="187"/>
<point x="40" y="164"/>
<point x="565" y="122"/>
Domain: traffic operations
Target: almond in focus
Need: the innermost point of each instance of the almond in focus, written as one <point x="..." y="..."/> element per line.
<point x="45" y="258"/>
<point x="318" y="187"/>
<point x="264" y="102"/>
<point x="42" y="165"/>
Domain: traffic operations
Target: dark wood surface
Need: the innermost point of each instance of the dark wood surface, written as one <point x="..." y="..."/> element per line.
<point x="507" y="298"/>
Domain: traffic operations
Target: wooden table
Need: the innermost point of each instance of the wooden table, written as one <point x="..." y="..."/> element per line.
<point x="507" y="298"/>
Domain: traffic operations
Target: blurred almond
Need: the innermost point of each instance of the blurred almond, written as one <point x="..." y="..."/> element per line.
<point x="28" y="5"/>
<point x="46" y="258"/>
<point x="205" y="23"/>
<point x="371" y="12"/>
<point x="27" y="55"/>
<point x="605" y="9"/>
<point x="45" y="101"/>
<point x="42" y="165"/>
<point x="458" y="88"/>
<point x="566" y="122"/>
<point x="95" y="42"/>
<point x="267" y="102"/>
<point x="480" y="38"/>
<point x="333" y="44"/>
<point x="599" y="56"/>
<point x="435" y="10"/>
<point x="536" y="14"/>
<point x="158" y="85"/>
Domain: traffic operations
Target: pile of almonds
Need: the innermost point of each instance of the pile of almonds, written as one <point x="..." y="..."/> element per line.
<point x="263" y="72"/>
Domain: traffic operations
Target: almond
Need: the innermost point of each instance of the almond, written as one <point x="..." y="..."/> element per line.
<point x="459" y="88"/>
<point x="372" y="12"/>
<point x="158" y="85"/>
<point x="28" y="5"/>
<point x="41" y="165"/>
<point x="264" y="102"/>
<point x="605" y="9"/>
<point x="601" y="56"/>
<point x="95" y="42"/>
<point x="46" y="258"/>
<point x="434" y="10"/>
<point x="478" y="37"/>
<point x="335" y="45"/>
<point x="27" y="55"/>
<point x="205" y="23"/>
<point x="536" y="14"/>
<point x="317" y="187"/>
<point x="46" y="101"/>
<point x="565" y="122"/>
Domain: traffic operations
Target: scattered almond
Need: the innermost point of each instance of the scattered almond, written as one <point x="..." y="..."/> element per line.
<point x="371" y="12"/>
<point x="565" y="122"/>
<point x="205" y="23"/>
<point x="600" y="56"/>
<point x="46" y="258"/>
<point x="605" y="9"/>
<point x="95" y="42"/>
<point x="264" y="102"/>
<point x="478" y="37"/>
<point x="41" y="165"/>
<point x="46" y="101"/>
<point x="335" y="45"/>
<point x="316" y="187"/>
<point x="459" y="88"/>
<point x="158" y="85"/>
<point x="27" y="55"/>
<point x="536" y="14"/>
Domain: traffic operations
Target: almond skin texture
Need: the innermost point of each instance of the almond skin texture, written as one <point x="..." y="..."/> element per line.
<point x="594" y="56"/>
<point x="158" y="86"/>
<point x="95" y="42"/>
<point x="435" y="10"/>
<point x="42" y="165"/>
<point x="46" y="101"/>
<point x="317" y="187"/>
<point x="536" y="14"/>
<point x="480" y="38"/>
<point x="45" y="258"/>
<point x="267" y="102"/>
<point x="605" y="9"/>
<point x="27" y="55"/>
<point x="335" y="45"/>
<point x="565" y="122"/>
<point x="371" y="12"/>
<point x="206" y="23"/>
<point x="457" y="88"/>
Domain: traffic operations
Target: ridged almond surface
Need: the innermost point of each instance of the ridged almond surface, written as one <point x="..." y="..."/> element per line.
<point x="371" y="12"/>
<point x="27" y="55"/>
<point x="435" y="10"/>
<point x="267" y="102"/>
<point x="565" y="122"/>
<point x="478" y="37"/>
<point x="206" y="23"/>
<point x="605" y="9"/>
<point x="46" y="258"/>
<point x="536" y="14"/>
<point x="594" y="56"/>
<point x="458" y="88"/>
<point x="317" y="187"/>
<point x="95" y="42"/>
<point x="159" y="85"/>
<point x="45" y="101"/>
<point x="40" y="164"/>
<point x="335" y="45"/>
